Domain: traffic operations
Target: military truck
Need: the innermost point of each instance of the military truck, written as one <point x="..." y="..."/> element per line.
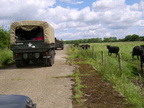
<point x="59" y="44"/>
<point x="32" y="41"/>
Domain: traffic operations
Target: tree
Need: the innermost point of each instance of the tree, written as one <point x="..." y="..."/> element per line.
<point x="113" y="39"/>
<point x="133" y="37"/>
<point x="141" y="38"/>
<point x="107" y="39"/>
<point x="4" y="38"/>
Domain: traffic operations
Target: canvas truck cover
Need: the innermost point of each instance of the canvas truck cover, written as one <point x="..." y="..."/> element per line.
<point x="30" y="25"/>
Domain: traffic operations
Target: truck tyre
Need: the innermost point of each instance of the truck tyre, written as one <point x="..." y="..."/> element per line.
<point x="19" y="63"/>
<point x="46" y="61"/>
<point x="53" y="56"/>
<point x="50" y="61"/>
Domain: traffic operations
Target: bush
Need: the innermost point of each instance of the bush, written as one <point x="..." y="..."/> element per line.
<point x="6" y="57"/>
<point x="4" y="38"/>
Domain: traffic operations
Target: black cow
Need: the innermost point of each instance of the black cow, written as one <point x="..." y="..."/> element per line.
<point x="136" y="51"/>
<point x="85" y="46"/>
<point x="142" y="46"/>
<point x="76" y="45"/>
<point x="141" y="59"/>
<point x="112" y="49"/>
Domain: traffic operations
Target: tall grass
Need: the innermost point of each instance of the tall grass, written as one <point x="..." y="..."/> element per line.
<point x="6" y="57"/>
<point x="78" y="86"/>
<point x="121" y="80"/>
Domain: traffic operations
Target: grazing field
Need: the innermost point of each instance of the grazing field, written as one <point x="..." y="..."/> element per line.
<point x="125" y="50"/>
<point x="128" y="81"/>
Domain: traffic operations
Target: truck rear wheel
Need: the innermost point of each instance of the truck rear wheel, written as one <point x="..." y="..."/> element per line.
<point x="46" y="62"/>
<point x="50" y="61"/>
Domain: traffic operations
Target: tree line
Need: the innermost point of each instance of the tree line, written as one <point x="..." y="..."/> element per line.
<point x="133" y="37"/>
<point x="5" y="39"/>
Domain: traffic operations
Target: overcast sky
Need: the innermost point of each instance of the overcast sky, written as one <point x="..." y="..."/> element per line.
<point x="79" y="19"/>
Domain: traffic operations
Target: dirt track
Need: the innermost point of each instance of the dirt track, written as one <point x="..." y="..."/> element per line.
<point x="44" y="85"/>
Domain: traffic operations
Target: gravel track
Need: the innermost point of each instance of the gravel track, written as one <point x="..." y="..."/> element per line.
<point x="46" y="86"/>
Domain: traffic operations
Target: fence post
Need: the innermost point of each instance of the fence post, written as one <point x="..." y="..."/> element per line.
<point x="102" y="57"/>
<point x="120" y="62"/>
<point x="93" y="52"/>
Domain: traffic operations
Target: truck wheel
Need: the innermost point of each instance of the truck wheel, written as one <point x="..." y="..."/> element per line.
<point x="50" y="61"/>
<point x="53" y="56"/>
<point x="19" y="63"/>
<point x="46" y="62"/>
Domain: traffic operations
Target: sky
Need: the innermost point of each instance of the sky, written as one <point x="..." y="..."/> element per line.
<point x="79" y="19"/>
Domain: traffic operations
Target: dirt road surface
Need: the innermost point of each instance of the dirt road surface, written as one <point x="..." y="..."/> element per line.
<point x="46" y="86"/>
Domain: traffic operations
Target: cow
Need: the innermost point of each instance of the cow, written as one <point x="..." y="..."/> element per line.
<point x="112" y="49"/>
<point x="76" y="45"/>
<point x="85" y="46"/>
<point x="141" y="59"/>
<point x="142" y="46"/>
<point x="136" y="51"/>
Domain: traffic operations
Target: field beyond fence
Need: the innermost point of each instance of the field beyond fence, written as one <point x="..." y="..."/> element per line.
<point x="124" y="73"/>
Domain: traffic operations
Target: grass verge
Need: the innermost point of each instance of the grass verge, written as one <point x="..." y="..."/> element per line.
<point x="122" y="80"/>
<point x="77" y="87"/>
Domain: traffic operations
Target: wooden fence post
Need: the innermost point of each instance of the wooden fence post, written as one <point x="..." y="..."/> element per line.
<point x="102" y="57"/>
<point x="120" y="61"/>
<point x="93" y="52"/>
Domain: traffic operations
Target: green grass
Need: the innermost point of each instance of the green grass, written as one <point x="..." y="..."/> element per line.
<point x="78" y="86"/>
<point x="6" y="57"/>
<point x="121" y="79"/>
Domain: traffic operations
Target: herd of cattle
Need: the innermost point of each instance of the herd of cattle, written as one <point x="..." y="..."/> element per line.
<point x="82" y="46"/>
<point x="137" y="51"/>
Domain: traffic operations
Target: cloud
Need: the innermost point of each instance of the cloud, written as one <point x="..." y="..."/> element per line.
<point x="137" y="6"/>
<point x="116" y="14"/>
<point x="22" y="9"/>
<point x="106" y="18"/>
<point x="72" y="1"/>
<point x="103" y="19"/>
<point x="102" y="5"/>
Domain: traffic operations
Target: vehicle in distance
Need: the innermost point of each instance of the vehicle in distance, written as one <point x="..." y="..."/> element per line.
<point x="59" y="44"/>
